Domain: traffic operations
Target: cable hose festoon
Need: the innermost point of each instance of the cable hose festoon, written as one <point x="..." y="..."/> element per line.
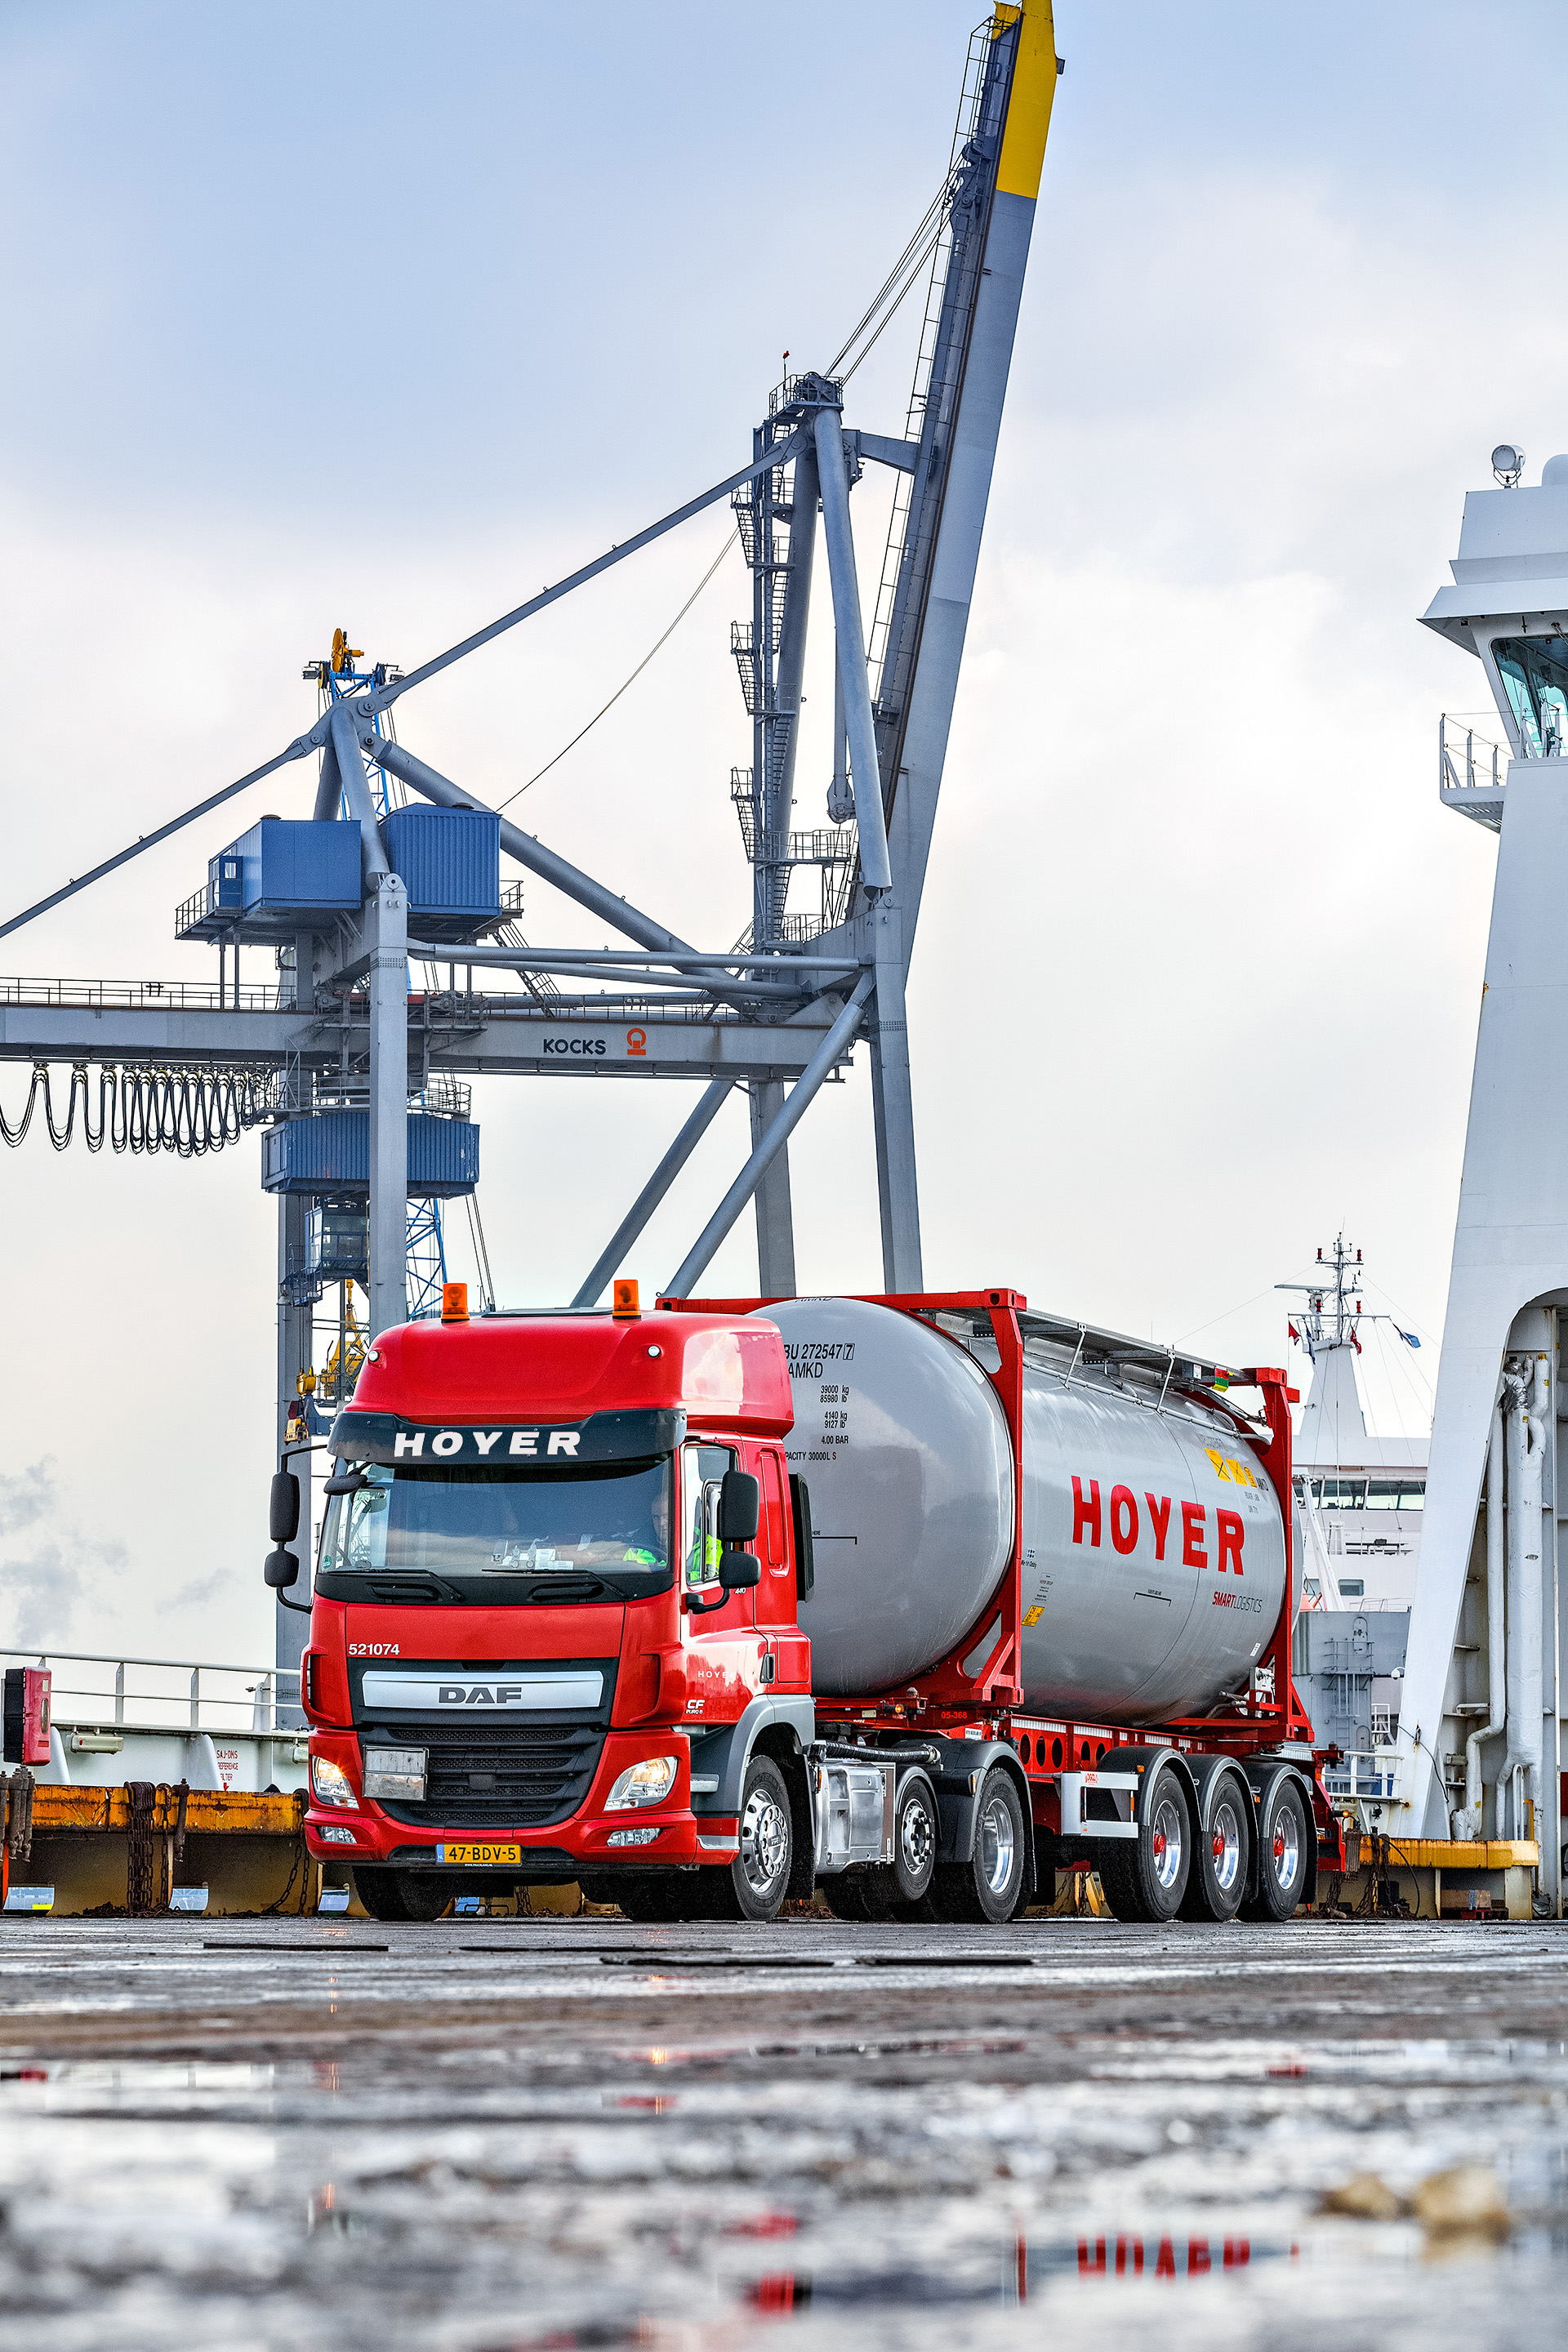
<point x="149" y="1110"/>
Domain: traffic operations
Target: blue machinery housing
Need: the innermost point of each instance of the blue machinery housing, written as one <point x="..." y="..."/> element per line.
<point x="285" y="867"/>
<point x="450" y="863"/>
<point x="329" y="1154"/>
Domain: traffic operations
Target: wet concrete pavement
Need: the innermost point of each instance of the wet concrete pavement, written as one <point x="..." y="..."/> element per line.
<point x="542" y="2132"/>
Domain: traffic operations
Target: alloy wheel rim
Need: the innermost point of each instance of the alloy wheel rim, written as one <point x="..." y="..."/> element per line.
<point x="1165" y="1838"/>
<point x="997" y="1846"/>
<point x="916" y="1838"/>
<point x="1226" y="1835"/>
<point x="764" y="1841"/>
<point x="1287" y="1848"/>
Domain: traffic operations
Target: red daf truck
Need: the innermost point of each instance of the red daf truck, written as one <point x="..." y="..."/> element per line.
<point x="914" y="1599"/>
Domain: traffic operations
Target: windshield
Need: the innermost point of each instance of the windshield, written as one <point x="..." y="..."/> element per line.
<point x="475" y="1520"/>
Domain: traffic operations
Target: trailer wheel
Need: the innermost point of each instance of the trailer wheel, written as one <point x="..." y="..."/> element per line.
<point x="1146" y="1877"/>
<point x="988" y="1888"/>
<point x="1281" y="1853"/>
<point x="401" y="1894"/>
<point x="1217" y="1879"/>
<point x="753" y="1886"/>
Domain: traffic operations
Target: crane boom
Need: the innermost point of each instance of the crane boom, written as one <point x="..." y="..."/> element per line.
<point x="956" y="415"/>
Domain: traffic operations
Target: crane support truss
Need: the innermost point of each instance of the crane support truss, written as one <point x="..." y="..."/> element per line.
<point x="779" y="1014"/>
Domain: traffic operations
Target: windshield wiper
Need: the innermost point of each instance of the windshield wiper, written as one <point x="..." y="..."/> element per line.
<point x="418" y="1584"/>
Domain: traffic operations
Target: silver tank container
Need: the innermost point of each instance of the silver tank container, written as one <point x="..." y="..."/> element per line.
<point x="902" y="1441"/>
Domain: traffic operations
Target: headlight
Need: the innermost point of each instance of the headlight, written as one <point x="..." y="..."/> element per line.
<point x="330" y="1783"/>
<point x="643" y="1784"/>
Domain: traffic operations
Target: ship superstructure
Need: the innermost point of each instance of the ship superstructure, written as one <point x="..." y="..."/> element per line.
<point x="1360" y="1501"/>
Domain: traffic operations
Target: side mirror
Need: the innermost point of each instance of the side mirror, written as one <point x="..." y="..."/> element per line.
<point x="283" y="1509"/>
<point x="740" y="1506"/>
<point x="739" y="1570"/>
<point x="281" y="1569"/>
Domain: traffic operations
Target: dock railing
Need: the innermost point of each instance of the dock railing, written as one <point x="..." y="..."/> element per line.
<point x="1364" y="1776"/>
<point x="192" y="1695"/>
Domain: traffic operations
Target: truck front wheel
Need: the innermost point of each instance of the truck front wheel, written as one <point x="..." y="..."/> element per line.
<point x="989" y="1887"/>
<point x="653" y="1900"/>
<point x="755" y="1884"/>
<point x="401" y="1894"/>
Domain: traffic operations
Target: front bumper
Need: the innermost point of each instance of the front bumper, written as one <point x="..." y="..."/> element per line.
<point x="563" y="1850"/>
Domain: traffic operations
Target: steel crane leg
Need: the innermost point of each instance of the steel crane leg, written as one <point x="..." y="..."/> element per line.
<point x="796" y="1103"/>
<point x="294" y="1337"/>
<point x="693" y="1129"/>
<point x="388" y="981"/>
<point x="775" y="1214"/>
<point x="834" y="483"/>
<point x="892" y="1110"/>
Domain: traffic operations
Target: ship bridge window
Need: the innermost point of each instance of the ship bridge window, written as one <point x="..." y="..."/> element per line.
<point x="1394" y="1494"/>
<point x="1340" y="1494"/>
<point x="1534" y="672"/>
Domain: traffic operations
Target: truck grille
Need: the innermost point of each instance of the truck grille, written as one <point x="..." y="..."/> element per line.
<point x="497" y="1776"/>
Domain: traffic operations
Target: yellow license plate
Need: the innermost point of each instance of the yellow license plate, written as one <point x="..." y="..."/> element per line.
<point x="483" y="1857"/>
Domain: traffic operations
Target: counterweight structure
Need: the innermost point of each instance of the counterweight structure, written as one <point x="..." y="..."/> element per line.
<point x="779" y="1012"/>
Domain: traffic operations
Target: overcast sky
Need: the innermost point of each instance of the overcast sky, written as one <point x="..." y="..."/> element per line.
<point x="386" y="316"/>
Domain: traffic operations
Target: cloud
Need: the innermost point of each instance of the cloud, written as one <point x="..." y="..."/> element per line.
<point x="203" y="1591"/>
<point x="25" y="1497"/>
<point x="44" y="1592"/>
<point x="46" y="1587"/>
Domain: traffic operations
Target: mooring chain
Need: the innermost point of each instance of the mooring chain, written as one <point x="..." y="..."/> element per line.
<point x="149" y="1110"/>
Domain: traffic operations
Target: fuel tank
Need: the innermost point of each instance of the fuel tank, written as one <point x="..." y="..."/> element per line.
<point x="1154" y="1564"/>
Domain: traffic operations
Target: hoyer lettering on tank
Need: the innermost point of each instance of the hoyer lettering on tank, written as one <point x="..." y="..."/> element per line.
<point x="1119" y="1517"/>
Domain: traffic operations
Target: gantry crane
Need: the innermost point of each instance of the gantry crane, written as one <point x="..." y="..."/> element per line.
<point x="779" y="1012"/>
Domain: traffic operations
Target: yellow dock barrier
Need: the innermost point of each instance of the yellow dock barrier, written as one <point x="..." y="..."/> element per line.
<point x="135" y="1848"/>
<point x="1483" y="1876"/>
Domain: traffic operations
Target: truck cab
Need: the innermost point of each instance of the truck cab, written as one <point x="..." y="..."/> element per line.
<point x="553" y="1630"/>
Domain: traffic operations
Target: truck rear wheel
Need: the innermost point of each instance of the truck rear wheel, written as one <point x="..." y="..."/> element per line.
<point x="1146" y="1877"/>
<point x="402" y="1894"/>
<point x="1217" y="1879"/>
<point x="755" y="1884"/>
<point x="1281" y="1853"/>
<point x="989" y="1887"/>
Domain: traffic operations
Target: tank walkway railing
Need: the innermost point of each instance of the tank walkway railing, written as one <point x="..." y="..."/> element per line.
<point x="220" y="1699"/>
